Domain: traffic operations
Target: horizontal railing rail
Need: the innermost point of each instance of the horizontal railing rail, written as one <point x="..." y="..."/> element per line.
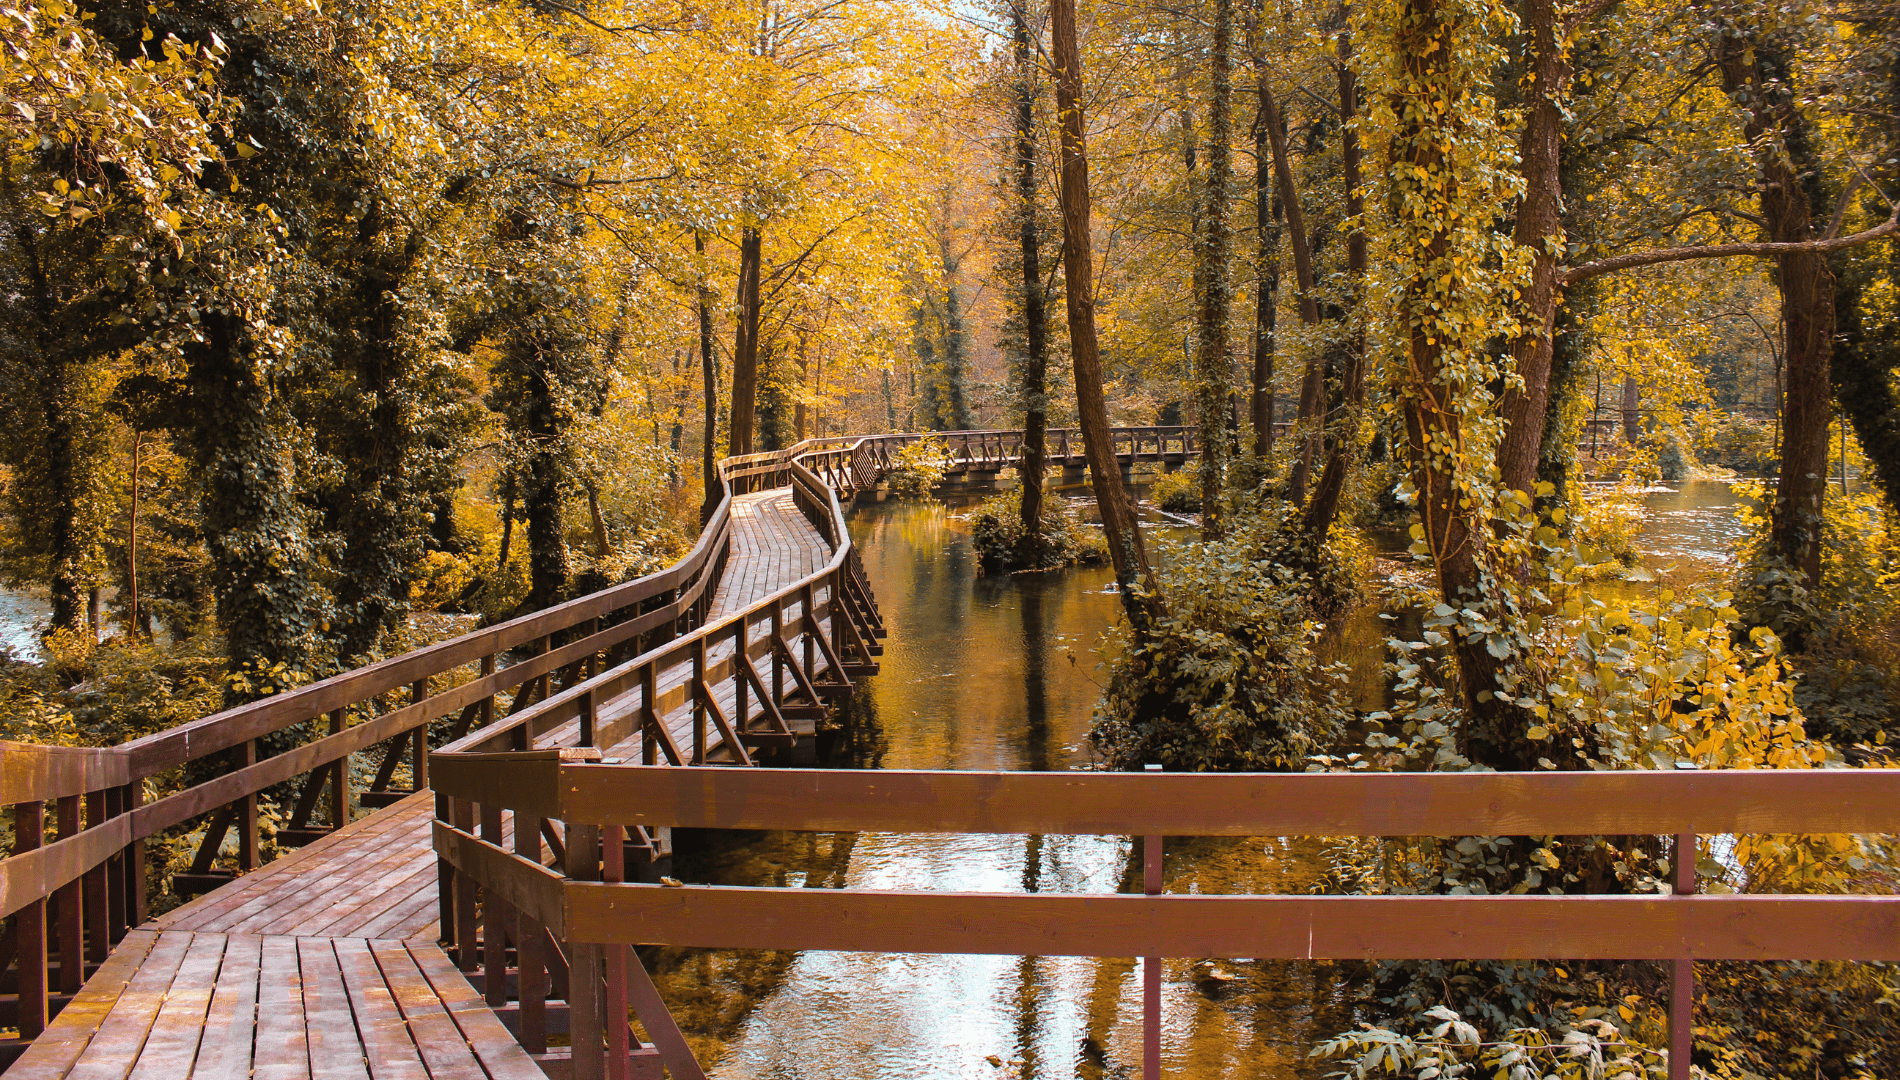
<point x="595" y="908"/>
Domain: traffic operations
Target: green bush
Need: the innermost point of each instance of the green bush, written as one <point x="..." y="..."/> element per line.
<point x="918" y="468"/>
<point x="1738" y="443"/>
<point x="1228" y="678"/>
<point x="1178" y="492"/>
<point x="996" y="527"/>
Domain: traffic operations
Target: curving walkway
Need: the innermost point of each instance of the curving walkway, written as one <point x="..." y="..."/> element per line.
<point x="324" y="963"/>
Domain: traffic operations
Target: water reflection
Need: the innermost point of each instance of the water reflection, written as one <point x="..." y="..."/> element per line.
<point x="999" y="673"/>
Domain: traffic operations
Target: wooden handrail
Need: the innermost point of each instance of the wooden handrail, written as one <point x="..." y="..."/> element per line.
<point x="1184" y="804"/>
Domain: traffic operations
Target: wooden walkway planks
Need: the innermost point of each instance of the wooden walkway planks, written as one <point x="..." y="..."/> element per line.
<point x="376" y="877"/>
<point x="209" y="1006"/>
<point x="322" y="965"/>
<point x="773" y="545"/>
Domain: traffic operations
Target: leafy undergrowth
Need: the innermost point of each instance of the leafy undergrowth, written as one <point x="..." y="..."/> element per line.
<point x="996" y="527"/>
<point x="918" y="467"/>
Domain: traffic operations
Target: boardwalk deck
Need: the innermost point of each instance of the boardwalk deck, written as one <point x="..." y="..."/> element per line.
<point x="324" y="963"/>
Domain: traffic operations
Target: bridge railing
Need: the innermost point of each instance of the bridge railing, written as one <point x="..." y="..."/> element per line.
<point x="73" y="892"/>
<point x="586" y="900"/>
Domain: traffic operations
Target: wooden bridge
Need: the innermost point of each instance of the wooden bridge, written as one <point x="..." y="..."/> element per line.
<point x="530" y="774"/>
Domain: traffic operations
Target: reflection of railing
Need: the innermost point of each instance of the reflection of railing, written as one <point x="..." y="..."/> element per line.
<point x="586" y="900"/>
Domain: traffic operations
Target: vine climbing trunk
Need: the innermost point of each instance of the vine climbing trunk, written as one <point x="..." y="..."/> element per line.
<point x="1035" y="365"/>
<point x="1266" y="223"/>
<point x="1134" y="575"/>
<point x="1440" y="216"/>
<point x="1211" y="364"/>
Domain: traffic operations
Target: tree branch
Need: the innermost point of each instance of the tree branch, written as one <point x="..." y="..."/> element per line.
<point x="1728" y="251"/>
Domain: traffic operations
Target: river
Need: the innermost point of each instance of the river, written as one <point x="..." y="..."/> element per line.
<point x="1002" y="673"/>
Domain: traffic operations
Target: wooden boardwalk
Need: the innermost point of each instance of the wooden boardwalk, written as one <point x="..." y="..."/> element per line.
<point x="324" y="963"/>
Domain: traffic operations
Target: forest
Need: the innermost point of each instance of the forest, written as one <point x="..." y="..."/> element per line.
<point x="332" y="329"/>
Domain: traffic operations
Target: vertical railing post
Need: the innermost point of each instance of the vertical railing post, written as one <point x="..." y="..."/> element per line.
<point x="495" y="921"/>
<point x="583" y="964"/>
<point x="810" y="620"/>
<point x="419" y="746"/>
<point x="778" y="635"/>
<point x="1151" y="965"/>
<point x="29" y="926"/>
<point x="1682" y="970"/>
<point x="445" y="882"/>
<point x="613" y="868"/>
<point x="531" y="975"/>
<point x="741" y="709"/>
<point x="649" y="719"/>
<point x="72" y="959"/>
<point x="29" y="824"/>
<point x="340" y="774"/>
<point x="247" y="817"/>
<point x="98" y="930"/>
<point x="462" y="819"/>
<point x="488" y="703"/>
<point x="698" y="701"/>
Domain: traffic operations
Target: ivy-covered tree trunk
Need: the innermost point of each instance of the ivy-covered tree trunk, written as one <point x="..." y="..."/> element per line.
<point x="1758" y="75"/>
<point x="1266" y="271"/>
<point x="956" y="348"/>
<point x="1440" y="212"/>
<point x="262" y="562"/>
<point x="1134" y="575"/>
<point x="1211" y="363"/>
<point x="745" y="348"/>
<point x="542" y="427"/>
<point x="1033" y="372"/>
<point x="1866" y="362"/>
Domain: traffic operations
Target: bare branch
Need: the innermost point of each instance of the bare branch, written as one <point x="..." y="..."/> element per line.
<point x="1728" y="251"/>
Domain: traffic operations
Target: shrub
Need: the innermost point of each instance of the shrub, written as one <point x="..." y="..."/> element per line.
<point x="1178" y="492"/>
<point x="918" y="468"/>
<point x="1607" y="523"/>
<point x="1228" y="677"/>
<point x="996" y="527"/>
<point x="1738" y="443"/>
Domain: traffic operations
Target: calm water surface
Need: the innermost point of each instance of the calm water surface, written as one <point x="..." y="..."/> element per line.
<point x="1001" y="673"/>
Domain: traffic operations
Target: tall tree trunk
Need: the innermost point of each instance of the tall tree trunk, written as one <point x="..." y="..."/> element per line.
<point x="1540" y="227"/>
<point x="678" y="432"/>
<point x="1266" y="269"/>
<point x="1432" y="381"/>
<point x="956" y="348"/>
<point x="709" y="380"/>
<point x="1216" y="276"/>
<point x="1313" y="385"/>
<point x="135" y="621"/>
<point x="1757" y="75"/>
<point x="507" y="526"/>
<point x="1134" y="576"/>
<point x="1341" y="429"/>
<point x="1034" y="374"/>
<point x="745" y="350"/>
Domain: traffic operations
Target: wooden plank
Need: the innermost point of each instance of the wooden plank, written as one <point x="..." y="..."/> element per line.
<point x="231" y="1021"/>
<point x="410" y="880"/>
<point x="37" y="874"/>
<point x="364" y="892"/>
<point x="172" y="1048"/>
<point x="1280" y="927"/>
<point x="53" y="1054"/>
<point x="501" y="1057"/>
<point x="440" y="1041"/>
<point x="1239" y="804"/>
<point x="412" y="920"/>
<point x="115" y="1047"/>
<point x="283" y="1043"/>
<point x="391" y="1053"/>
<point x="336" y="1053"/>
<point x="35" y="772"/>
<point x="525" y="780"/>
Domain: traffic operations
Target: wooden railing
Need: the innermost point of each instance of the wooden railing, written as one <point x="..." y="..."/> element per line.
<point x="566" y="660"/>
<point x="585" y="901"/>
